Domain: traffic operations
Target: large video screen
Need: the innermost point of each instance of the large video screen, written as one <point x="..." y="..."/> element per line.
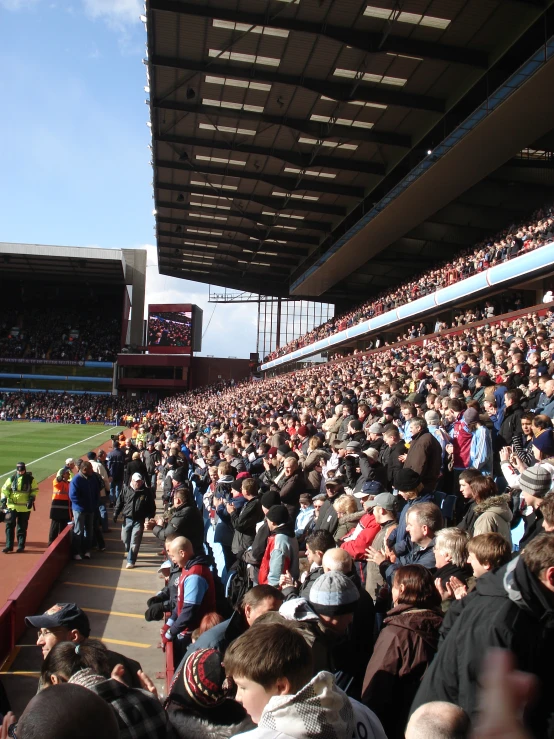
<point x="169" y="329"/>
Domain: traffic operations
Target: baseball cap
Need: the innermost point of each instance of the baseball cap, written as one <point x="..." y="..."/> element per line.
<point x="166" y="565"/>
<point x="355" y="445"/>
<point x="272" y="453"/>
<point x="172" y="459"/>
<point x="370" y="487"/>
<point x="136" y="477"/>
<point x="61" y="614"/>
<point x="545" y="442"/>
<point x="20" y="465"/>
<point x="432" y="418"/>
<point x="471" y="415"/>
<point x="334" y="481"/>
<point x="69" y="462"/>
<point x="383" y="500"/>
<point x="376" y="428"/>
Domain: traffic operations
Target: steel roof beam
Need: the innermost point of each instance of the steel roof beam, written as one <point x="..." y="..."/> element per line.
<point x="240" y="244"/>
<point x="337" y="91"/>
<point x="303" y="161"/>
<point x="289" y="184"/>
<point x="280" y="260"/>
<point x="367" y="41"/>
<point x="268" y="221"/>
<point x="319" y="130"/>
<point x="255" y="233"/>
<point x="226" y="265"/>
<point x="251" y="282"/>
<point x="271" y="201"/>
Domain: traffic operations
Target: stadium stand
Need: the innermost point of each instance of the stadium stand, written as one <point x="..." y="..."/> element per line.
<point x="341" y="545"/>
<point x="527" y="235"/>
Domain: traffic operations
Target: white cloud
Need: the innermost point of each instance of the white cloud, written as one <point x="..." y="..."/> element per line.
<point x="117" y="13"/>
<point x="232" y="329"/>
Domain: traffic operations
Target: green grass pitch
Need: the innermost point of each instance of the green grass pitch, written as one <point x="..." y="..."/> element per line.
<point x="44" y="447"/>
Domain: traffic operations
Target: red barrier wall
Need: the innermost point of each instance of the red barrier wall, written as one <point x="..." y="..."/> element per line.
<point x="27" y="597"/>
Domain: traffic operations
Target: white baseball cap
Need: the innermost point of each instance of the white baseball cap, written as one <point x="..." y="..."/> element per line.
<point x="136" y="477"/>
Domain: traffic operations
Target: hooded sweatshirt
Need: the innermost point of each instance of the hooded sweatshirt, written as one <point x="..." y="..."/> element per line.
<point x="318" y="709"/>
<point x="494" y="515"/>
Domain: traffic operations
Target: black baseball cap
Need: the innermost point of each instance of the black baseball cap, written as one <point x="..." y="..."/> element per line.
<point x="68" y="615"/>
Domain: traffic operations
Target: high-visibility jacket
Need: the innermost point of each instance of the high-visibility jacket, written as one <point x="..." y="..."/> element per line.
<point x="25" y="490"/>
<point x="60" y="510"/>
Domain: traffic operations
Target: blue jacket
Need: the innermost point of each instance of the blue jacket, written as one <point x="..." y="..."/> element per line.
<point x="400" y="539"/>
<point x="417" y="556"/>
<point x="116" y="464"/>
<point x="84" y="493"/>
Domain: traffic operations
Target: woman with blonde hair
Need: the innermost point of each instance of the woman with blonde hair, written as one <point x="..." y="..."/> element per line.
<point x="349" y="515"/>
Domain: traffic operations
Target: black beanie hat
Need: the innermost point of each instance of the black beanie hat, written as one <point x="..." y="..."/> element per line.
<point x="270" y="499"/>
<point x="278" y="514"/>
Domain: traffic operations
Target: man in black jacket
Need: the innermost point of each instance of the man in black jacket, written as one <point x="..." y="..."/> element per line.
<point x="153" y="461"/>
<point x="392" y="449"/>
<point x="137" y="504"/>
<point x="245" y="519"/>
<point x="511" y="423"/>
<point x="294" y="484"/>
<point x="115" y="462"/>
<point x="185" y="520"/>
<point x="254" y="555"/>
<point x="512" y="608"/>
<point x="328" y="518"/>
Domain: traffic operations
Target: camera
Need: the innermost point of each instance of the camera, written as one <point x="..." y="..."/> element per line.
<point x="114" y="437"/>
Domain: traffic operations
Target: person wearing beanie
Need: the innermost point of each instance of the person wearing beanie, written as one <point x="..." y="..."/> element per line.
<point x="281" y="552"/>
<point x="199" y="703"/>
<point x="535" y="483"/>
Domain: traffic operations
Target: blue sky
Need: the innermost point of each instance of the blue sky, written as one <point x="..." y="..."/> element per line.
<point x="74" y="160"/>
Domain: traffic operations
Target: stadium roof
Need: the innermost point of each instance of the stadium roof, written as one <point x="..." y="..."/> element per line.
<point x="277" y="127"/>
<point x="36" y="261"/>
<point x="74" y="265"/>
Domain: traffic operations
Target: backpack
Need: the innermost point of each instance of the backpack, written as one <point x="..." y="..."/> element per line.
<point x="238" y="584"/>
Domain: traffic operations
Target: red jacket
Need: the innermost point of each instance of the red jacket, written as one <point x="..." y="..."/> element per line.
<point x="461" y="441"/>
<point x="369" y="530"/>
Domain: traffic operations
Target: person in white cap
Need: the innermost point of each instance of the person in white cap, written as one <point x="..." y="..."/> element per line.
<point x="138" y="503"/>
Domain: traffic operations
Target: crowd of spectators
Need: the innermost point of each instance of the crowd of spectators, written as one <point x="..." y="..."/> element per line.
<point x="60" y="407"/>
<point x="169" y="329"/>
<point x="76" y="335"/>
<point x="380" y="524"/>
<point x="517" y="239"/>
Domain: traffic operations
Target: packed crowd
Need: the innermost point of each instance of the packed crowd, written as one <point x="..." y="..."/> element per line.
<point x="528" y="235"/>
<point x="60" y="333"/>
<point x="169" y="329"/>
<point x="60" y="407"/>
<point x="378" y="525"/>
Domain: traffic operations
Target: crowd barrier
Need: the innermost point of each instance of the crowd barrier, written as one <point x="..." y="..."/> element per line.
<point x="27" y="597"/>
<point x="519" y="267"/>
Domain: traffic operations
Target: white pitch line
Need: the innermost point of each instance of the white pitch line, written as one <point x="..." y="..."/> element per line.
<point x="28" y="464"/>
